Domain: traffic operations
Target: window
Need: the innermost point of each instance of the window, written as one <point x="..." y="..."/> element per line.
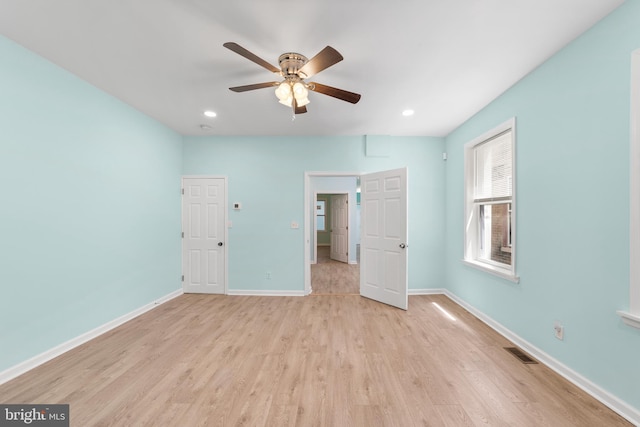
<point x="490" y="201"/>
<point x="321" y="216"/>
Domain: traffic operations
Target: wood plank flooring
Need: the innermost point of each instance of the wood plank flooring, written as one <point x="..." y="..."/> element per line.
<point x="329" y="277"/>
<point x="205" y="360"/>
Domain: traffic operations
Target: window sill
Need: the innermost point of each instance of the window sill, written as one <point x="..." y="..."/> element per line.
<point x="632" y="320"/>
<point x="496" y="271"/>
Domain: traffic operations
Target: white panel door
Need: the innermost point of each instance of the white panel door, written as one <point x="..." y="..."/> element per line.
<point x="339" y="228"/>
<point x="383" y="241"/>
<point x="203" y="245"/>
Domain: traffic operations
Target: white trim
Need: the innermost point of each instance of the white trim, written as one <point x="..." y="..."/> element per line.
<point x="353" y="262"/>
<point x="314" y="260"/>
<point x="435" y="291"/>
<point x="265" y="293"/>
<point x="56" y="351"/>
<point x="616" y="404"/>
<point x="204" y="176"/>
<point x="496" y="271"/>
<point x="470" y="257"/>
<point x="630" y="318"/>
<point x="307" y="215"/>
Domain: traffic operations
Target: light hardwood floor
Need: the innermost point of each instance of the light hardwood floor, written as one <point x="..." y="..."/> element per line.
<point x="306" y="361"/>
<point x="334" y="277"/>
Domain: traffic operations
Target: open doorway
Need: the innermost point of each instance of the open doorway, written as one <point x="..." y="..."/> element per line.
<point x="334" y="271"/>
<point x="382" y="223"/>
<point x="332" y="233"/>
<point x="332" y="226"/>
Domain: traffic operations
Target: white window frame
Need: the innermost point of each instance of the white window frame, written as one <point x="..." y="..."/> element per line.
<point x="471" y="233"/>
<point x="632" y="317"/>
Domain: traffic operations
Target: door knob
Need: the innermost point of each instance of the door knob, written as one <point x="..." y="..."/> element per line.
<point x="402" y="246"/>
<point x="219" y="243"/>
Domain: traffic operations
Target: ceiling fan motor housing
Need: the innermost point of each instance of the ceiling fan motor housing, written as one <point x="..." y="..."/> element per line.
<point x="291" y="63"/>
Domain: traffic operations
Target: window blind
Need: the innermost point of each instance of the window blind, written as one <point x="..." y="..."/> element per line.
<point x="493" y="169"/>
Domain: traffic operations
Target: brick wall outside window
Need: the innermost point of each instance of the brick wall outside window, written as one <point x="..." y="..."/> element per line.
<point x="499" y="233"/>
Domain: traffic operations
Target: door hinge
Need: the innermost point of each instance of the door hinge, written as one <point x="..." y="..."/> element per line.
<point x="347" y="227"/>
<point x="183" y="234"/>
<point x="182" y="190"/>
<point x="183" y="277"/>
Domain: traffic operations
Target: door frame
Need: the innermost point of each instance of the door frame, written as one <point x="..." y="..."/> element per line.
<point x="315" y="229"/>
<point x="348" y="223"/>
<point x="225" y="222"/>
<point x="314" y="260"/>
<point x="309" y="198"/>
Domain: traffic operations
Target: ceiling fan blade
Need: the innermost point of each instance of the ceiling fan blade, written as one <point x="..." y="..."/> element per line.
<point x="323" y="60"/>
<point x="253" y="87"/>
<point x="297" y="109"/>
<point x="335" y="92"/>
<point x="250" y="56"/>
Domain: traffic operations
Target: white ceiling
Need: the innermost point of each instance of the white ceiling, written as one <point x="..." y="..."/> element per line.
<point x="445" y="59"/>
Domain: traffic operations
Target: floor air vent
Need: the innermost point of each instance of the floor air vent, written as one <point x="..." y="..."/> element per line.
<point x="524" y="358"/>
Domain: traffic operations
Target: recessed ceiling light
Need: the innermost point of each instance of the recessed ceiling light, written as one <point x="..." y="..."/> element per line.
<point x="210" y="113"/>
<point x="408" y="113"/>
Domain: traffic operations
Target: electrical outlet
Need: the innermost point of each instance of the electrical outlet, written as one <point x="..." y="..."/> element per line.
<point x="558" y="330"/>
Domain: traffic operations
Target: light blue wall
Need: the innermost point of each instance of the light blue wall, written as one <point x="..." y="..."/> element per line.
<point x="572" y="207"/>
<point x="261" y="239"/>
<point x="90" y="210"/>
<point x="90" y="213"/>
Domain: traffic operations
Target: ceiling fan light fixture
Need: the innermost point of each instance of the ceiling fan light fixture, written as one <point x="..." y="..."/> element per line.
<point x="302" y="102"/>
<point x="301" y="93"/>
<point x="286" y="101"/>
<point x="299" y="90"/>
<point x="283" y="91"/>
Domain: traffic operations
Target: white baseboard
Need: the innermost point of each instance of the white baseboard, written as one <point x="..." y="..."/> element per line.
<point x="433" y="291"/>
<point x="265" y="293"/>
<point x="616" y="404"/>
<point x="56" y="351"/>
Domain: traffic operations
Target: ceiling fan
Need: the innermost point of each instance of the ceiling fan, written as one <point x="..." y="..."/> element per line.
<point x="294" y="69"/>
